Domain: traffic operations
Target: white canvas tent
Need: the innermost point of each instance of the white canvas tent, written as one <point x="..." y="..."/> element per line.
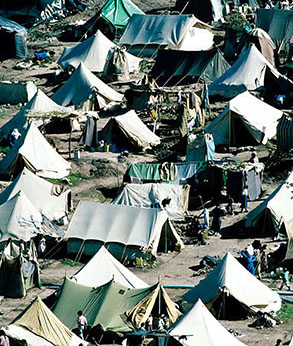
<point x="81" y="86"/>
<point x="246" y="120"/>
<point x="275" y="210"/>
<point x="182" y="32"/>
<point x="94" y="52"/>
<point x="230" y="280"/>
<point x="198" y="327"/>
<point x="104" y="267"/>
<point x="125" y="230"/>
<point x="32" y="150"/>
<point x="40" y="103"/>
<point x="51" y="200"/>
<point x="247" y="73"/>
<point x="127" y="130"/>
<point x="19" y="219"/>
<point x="146" y="194"/>
<point x="37" y="325"/>
<point x="289" y="231"/>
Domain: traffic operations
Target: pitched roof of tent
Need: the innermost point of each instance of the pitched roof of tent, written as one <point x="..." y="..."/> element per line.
<point x="278" y="206"/>
<point x="39" y="326"/>
<point x="239" y="283"/>
<point x="36" y="154"/>
<point x="44" y="195"/>
<point x="79" y="87"/>
<point x="40" y="103"/>
<point x="108" y="268"/>
<point x="97" y="304"/>
<point x="131" y="129"/>
<point x="118" y="12"/>
<point x="259" y="118"/>
<point x="200" y="328"/>
<point x="94" y="53"/>
<point x="19" y="218"/>
<point x="203" y="65"/>
<point x="118" y="224"/>
<point x="277" y="23"/>
<point x="167" y="30"/>
<point x="247" y="73"/>
<point x="143" y="195"/>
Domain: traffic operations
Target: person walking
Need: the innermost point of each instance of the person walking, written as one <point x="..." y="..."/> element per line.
<point x="217" y="222"/>
<point x="244" y="199"/>
<point x="81" y="324"/>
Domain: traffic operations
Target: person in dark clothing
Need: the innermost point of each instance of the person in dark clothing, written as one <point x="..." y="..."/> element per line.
<point x="229" y="206"/>
<point x="216" y="223"/>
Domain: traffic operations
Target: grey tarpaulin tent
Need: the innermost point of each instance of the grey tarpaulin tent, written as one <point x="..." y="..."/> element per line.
<point x="13" y="39"/>
<point x="183" y="67"/>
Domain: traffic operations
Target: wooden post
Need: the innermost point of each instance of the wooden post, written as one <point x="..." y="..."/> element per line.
<point x="70" y="135"/>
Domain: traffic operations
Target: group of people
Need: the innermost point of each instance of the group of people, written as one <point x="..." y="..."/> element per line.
<point x="254" y="258"/>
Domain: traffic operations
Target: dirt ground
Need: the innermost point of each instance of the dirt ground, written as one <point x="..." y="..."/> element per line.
<point x="172" y="268"/>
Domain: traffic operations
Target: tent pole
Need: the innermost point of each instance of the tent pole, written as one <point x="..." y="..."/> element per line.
<point x="166" y="240"/>
<point x="70" y="135"/>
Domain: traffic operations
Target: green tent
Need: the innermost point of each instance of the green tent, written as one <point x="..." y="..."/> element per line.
<point x="110" y="304"/>
<point x="118" y="12"/>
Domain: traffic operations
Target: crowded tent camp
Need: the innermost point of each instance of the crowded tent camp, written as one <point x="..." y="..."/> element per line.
<point x="146" y="173"/>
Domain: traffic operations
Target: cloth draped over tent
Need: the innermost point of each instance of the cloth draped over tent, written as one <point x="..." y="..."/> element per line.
<point x="19" y="271"/>
<point x="235" y="281"/>
<point x="148" y="194"/>
<point x="51" y="200"/>
<point x="256" y="121"/>
<point x="38" y="105"/>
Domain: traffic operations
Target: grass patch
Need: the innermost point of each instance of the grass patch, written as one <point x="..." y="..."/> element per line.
<point x="69" y="262"/>
<point x="74" y="179"/>
<point x="4" y="150"/>
<point x="286" y="312"/>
